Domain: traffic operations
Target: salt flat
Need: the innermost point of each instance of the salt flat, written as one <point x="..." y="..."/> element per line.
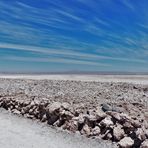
<point x="135" y="79"/>
<point x="34" y="95"/>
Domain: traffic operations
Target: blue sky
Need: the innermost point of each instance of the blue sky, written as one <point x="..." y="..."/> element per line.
<point x="73" y="35"/>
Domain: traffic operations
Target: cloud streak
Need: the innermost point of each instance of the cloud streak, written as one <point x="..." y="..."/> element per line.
<point x="53" y="60"/>
<point x="77" y="32"/>
<point x="64" y="52"/>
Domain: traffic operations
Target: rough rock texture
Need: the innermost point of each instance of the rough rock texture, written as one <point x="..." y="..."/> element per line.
<point x="114" y="126"/>
<point x="144" y="144"/>
<point x="93" y="109"/>
<point x="118" y="132"/>
<point x="126" y="142"/>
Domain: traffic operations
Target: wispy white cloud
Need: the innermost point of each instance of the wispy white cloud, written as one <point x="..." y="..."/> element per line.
<point x="145" y="26"/>
<point x="128" y="4"/>
<point x="65" y="52"/>
<point x="68" y="14"/>
<point x="53" y="60"/>
<point x="100" y="21"/>
<point x="62" y="31"/>
<point x="25" y="5"/>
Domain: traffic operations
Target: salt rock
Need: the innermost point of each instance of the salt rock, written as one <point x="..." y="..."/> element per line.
<point x="45" y="100"/>
<point x="16" y="106"/>
<point x="15" y="111"/>
<point x="81" y="119"/>
<point x="107" y="122"/>
<point x="140" y="134"/>
<point x="26" y="109"/>
<point x="145" y="123"/>
<point x="31" y="111"/>
<point x="115" y="115"/>
<point x="124" y="117"/>
<point x="11" y="107"/>
<point x="100" y="114"/>
<point x="136" y="123"/>
<point x="32" y="103"/>
<point x="108" y="136"/>
<point x="128" y="126"/>
<point x="74" y="126"/>
<point x="146" y="132"/>
<point x="29" y="116"/>
<point x="126" y="142"/>
<point x="71" y="126"/>
<point x="54" y="107"/>
<point x="53" y="113"/>
<point x="96" y="131"/>
<point x="36" y="102"/>
<point x="91" y="118"/>
<point x="66" y="105"/>
<point x="144" y="144"/>
<point x="66" y="114"/>
<point x="44" y="118"/>
<point x="57" y="123"/>
<point x="118" y="132"/>
<point x="86" y="130"/>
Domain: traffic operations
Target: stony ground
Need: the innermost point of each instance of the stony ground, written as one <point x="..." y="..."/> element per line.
<point x="111" y="111"/>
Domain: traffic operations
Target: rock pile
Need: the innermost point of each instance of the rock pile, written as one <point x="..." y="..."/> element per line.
<point x="100" y="122"/>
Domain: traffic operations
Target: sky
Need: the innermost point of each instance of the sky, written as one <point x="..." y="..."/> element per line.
<point x="73" y="35"/>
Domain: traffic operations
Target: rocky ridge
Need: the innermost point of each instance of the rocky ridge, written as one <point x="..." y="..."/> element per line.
<point x="102" y="122"/>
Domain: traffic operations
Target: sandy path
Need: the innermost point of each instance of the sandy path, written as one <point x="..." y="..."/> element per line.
<point x="135" y="79"/>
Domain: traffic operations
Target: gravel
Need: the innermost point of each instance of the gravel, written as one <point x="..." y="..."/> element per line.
<point x="75" y="92"/>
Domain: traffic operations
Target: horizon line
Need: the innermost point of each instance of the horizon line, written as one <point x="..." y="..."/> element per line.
<point x="78" y="72"/>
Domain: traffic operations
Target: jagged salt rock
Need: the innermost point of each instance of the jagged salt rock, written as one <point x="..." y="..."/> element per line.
<point x="100" y="114"/>
<point x="140" y="134"/>
<point x="66" y="105"/>
<point x="86" y="130"/>
<point x="126" y="142"/>
<point x="96" y="131"/>
<point x="144" y="144"/>
<point x="118" y="132"/>
<point x="54" y="107"/>
<point x="107" y="122"/>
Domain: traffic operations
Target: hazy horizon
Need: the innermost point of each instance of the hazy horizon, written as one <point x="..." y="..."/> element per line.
<point x="77" y="73"/>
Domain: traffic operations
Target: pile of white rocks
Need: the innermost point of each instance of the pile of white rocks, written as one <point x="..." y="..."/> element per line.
<point x="102" y="122"/>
